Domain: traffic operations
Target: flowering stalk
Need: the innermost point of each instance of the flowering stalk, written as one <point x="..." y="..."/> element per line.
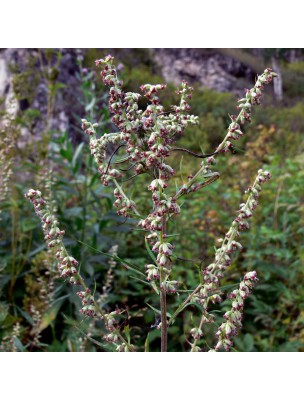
<point x="110" y="276"/>
<point x="147" y="137"/>
<point x="235" y="315"/>
<point x="229" y="245"/>
<point x="252" y="98"/>
<point x="8" y="343"/>
<point x="67" y="266"/>
<point x="206" y="292"/>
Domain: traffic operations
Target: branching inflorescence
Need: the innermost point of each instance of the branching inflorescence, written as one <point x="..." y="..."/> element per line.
<point x="67" y="266"/>
<point x="147" y="138"/>
<point x="207" y="292"/>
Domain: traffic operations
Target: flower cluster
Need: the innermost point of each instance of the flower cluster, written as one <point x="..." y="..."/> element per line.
<point x="252" y="97"/>
<point x="230" y="243"/>
<point x="124" y="205"/>
<point x="143" y="143"/>
<point x="234" y="316"/>
<point x="67" y="268"/>
<point x="215" y="271"/>
<point x="109" y="276"/>
<point x="196" y="333"/>
<point x="147" y="134"/>
<point x="169" y="286"/>
<point x="67" y="265"/>
<point x="186" y="94"/>
<point x="88" y="302"/>
<point x="147" y="137"/>
<point x="8" y="343"/>
<point x="152" y="272"/>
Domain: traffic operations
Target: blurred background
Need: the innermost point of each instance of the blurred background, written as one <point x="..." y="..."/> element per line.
<point x="44" y="93"/>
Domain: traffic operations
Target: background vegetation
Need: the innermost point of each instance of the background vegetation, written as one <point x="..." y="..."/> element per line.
<point x="39" y="312"/>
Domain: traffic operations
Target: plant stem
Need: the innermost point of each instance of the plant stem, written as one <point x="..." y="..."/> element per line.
<point x="163" y="297"/>
<point x="124" y="195"/>
<point x="101" y="313"/>
<point x="196" y="340"/>
<point x="164" y="327"/>
<point x="181" y="307"/>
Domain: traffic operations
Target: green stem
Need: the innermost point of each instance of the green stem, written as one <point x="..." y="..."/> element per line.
<point x="218" y="149"/>
<point x="164" y="326"/>
<point x="96" y="305"/>
<point x="163" y="297"/>
<point x="196" y="340"/>
<point x="124" y="195"/>
<point x="181" y="307"/>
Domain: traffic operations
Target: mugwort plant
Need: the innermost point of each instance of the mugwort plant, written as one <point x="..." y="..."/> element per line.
<point x="144" y="142"/>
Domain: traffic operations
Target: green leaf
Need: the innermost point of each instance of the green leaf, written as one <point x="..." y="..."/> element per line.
<point x="147" y="344"/>
<point x="73" y="212"/>
<point x="180" y="309"/>
<point x="248" y="342"/>
<point x="154" y="309"/>
<point x="56" y="86"/>
<point x="153" y="284"/>
<point x="66" y="154"/>
<point x="157" y="311"/>
<point x="18" y="344"/>
<point x="49" y="316"/>
<point x="127" y="333"/>
<point x="150" y="284"/>
<point x="99" y="344"/>
<point x="28" y="224"/>
<point x="150" y="251"/>
<point x="3" y="311"/>
<point x="26" y="316"/>
<point x="126" y="264"/>
<point x="76" y="154"/>
<point x="90" y="106"/>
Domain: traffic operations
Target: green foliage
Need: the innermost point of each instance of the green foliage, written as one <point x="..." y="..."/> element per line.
<point x="25" y="81"/>
<point x="274" y="314"/>
<point x="293" y="78"/>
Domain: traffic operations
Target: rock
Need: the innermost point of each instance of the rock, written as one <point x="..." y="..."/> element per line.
<point x="206" y="66"/>
<point x="67" y="107"/>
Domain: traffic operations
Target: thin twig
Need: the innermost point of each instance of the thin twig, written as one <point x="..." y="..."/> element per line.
<point x="193" y="154"/>
<point x="112" y="155"/>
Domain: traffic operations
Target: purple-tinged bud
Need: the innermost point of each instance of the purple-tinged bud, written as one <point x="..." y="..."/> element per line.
<point x="251" y="276"/>
<point x="162" y="260"/>
<point x="153" y="185"/>
<point x="196" y="333"/>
